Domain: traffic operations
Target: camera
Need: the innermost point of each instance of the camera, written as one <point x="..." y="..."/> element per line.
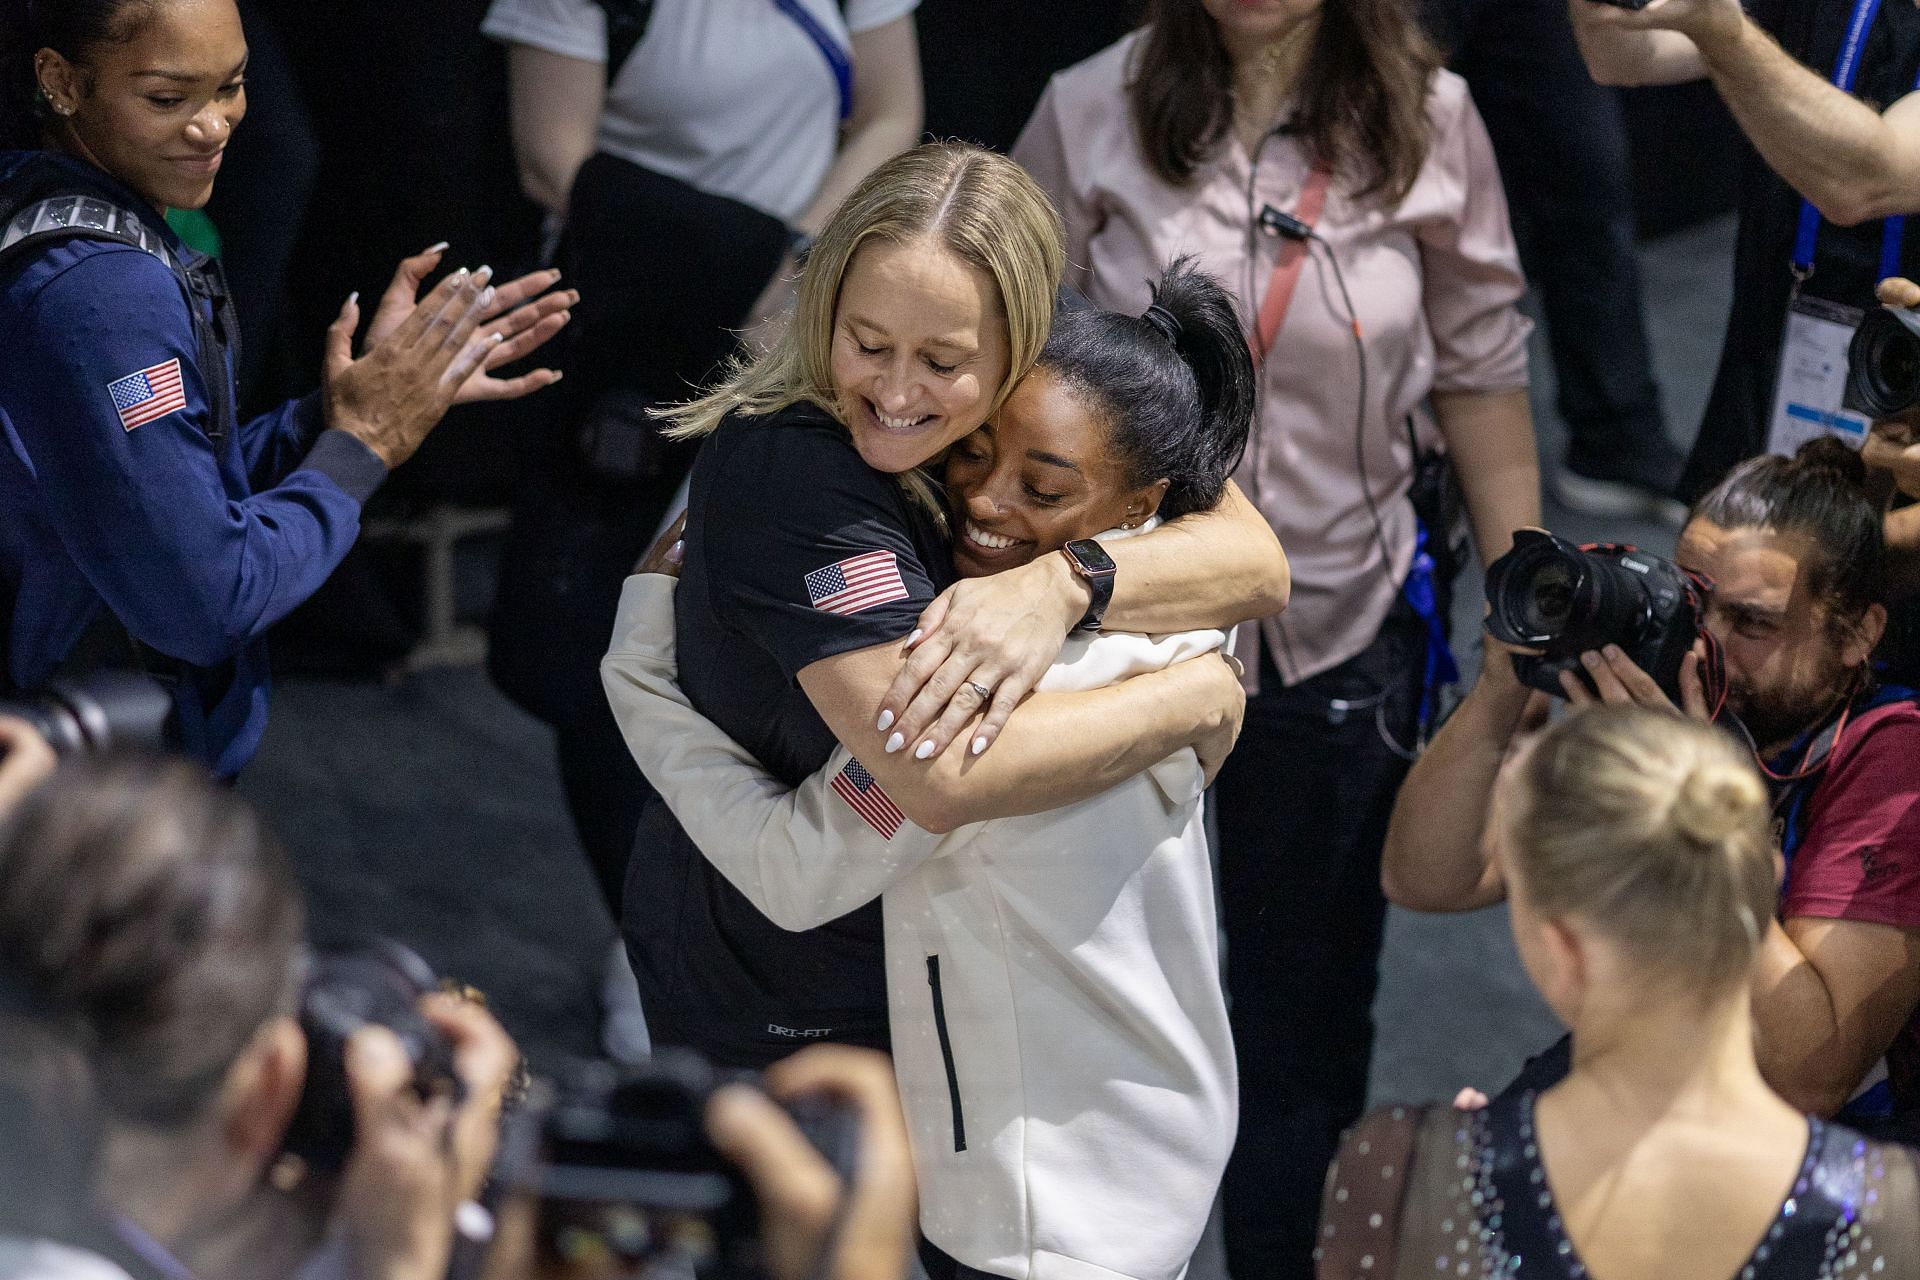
<point x="619" y="1161"/>
<point x="1564" y="600"/>
<point x="377" y="984"/>
<point x="1883" y="363"/>
<point x="97" y="712"/>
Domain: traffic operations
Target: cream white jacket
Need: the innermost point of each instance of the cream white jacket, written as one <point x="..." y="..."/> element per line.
<point x="1059" y="1031"/>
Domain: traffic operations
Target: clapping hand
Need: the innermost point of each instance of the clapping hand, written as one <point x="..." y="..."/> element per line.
<point x="525" y="313"/>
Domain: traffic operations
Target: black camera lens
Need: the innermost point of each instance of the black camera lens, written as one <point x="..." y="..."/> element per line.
<point x="98" y="712"/>
<point x="1883" y="366"/>
<point x="1548" y="603"/>
<point x="1551" y="595"/>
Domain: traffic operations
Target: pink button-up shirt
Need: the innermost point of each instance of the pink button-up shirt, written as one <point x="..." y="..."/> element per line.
<point x="1435" y="280"/>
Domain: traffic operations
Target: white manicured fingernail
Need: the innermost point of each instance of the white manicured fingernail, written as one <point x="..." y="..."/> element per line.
<point x="435" y="248"/>
<point x="353" y="299"/>
<point x="885" y="723"/>
<point x="483" y="275"/>
<point x="486" y="296"/>
<point x="895" y="743"/>
<point x="914" y="639"/>
<point x="980" y="744"/>
<point x="922" y="751"/>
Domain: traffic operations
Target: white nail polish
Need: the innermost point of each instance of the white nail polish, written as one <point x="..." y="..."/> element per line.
<point x="895" y="743"/>
<point x="980" y="744"/>
<point x="914" y="639"/>
<point x="886" y="722"/>
<point x="486" y="296"/>
<point x="435" y="248"/>
<point x="924" y="750"/>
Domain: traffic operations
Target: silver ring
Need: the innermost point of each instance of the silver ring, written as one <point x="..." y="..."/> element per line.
<point x="986" y="694"/>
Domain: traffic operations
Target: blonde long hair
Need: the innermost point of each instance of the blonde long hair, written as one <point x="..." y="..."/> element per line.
<point x="982" y="207"/>
<point x="1655" y="831"/>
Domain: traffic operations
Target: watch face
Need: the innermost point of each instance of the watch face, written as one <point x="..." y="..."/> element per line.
<point x="1091" y="557"/>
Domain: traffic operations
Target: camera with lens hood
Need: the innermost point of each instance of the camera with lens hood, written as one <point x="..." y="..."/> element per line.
<point x="97" y="712"/>
<point x="1564" y="599"/>
<point x="377" y="984"/>
<point x="618" y="1160"/>
<point x="1883" y="363"/>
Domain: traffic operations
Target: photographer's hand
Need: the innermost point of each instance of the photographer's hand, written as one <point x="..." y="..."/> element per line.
<point x="1619" y="682"/>
<point x="1711" y="25"/>
<point x="800" y="1197"/>
<point x="413" y="1162"/>
<point x="25" y="761"/>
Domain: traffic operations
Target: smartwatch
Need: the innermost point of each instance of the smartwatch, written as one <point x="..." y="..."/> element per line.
<point x="1091" y="561"/>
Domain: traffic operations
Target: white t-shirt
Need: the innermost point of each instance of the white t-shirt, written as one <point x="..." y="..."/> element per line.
<point x="729" y="95"/>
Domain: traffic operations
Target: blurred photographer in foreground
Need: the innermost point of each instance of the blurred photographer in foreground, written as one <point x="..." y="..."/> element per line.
<point x="1795" y="559"/>
<point x="151" y="1063"/>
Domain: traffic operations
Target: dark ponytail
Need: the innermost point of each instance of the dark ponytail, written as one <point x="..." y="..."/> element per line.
<point x="69" y="28"/>
<point x="1174" y="387"/>
<point x="1820" y="494"/>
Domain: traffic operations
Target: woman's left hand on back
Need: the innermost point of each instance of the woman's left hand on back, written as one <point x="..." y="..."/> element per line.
<point x="999" y="633"/>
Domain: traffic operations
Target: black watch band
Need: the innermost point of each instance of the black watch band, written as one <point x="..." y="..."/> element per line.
<point x="1091" y="561"/>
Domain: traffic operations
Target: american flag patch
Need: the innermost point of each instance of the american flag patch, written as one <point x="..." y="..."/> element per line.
<point x="860" y="582"/>
<point x="864" y="796"/>
<point x="141" y="397"/>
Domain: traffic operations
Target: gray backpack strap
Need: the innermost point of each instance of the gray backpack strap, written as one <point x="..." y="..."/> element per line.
<point x="65" y="217"/>
<point x="83" y="217"/>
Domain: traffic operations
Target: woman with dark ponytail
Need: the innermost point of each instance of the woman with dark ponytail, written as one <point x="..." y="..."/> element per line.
<point x="1059" y="1031"/>
<point x="141" y="523"/>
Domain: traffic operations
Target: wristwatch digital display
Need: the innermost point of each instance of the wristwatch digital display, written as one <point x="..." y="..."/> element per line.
<point x="1091" y="561"/>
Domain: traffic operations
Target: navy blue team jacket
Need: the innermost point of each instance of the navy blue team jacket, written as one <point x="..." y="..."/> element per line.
<point x="113" y="493"/>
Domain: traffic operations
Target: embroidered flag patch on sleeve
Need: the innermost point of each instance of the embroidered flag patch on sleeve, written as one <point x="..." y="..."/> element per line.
<point x="859" y="582"/>
<point x="141" y="397"/>
<point x="865" y="797"/>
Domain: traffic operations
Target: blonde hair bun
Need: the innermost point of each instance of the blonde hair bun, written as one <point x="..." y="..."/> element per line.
<point x="1714" y="801"/>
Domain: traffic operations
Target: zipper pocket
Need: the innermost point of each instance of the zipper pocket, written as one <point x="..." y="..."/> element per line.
<point x="946" y="1054"/>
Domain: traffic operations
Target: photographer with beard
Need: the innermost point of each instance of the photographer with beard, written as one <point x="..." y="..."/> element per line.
<point x="1795" y="551"/>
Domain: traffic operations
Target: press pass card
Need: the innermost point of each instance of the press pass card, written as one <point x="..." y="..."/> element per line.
<point x="1813" y="378"/>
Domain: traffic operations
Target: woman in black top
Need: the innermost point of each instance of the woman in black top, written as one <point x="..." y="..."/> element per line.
<point x="814" y="548"/>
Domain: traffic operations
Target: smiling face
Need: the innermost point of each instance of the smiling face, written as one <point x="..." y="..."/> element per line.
<point x="155" y="111"/>
<point x="1785" y="664"/>
<point x="919" y="351"/>
<point x="1037" y="477"/>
